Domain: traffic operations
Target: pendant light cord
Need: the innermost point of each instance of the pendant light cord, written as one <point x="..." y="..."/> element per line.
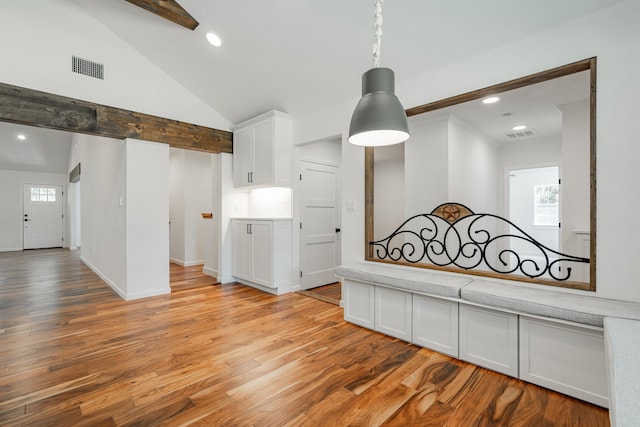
<point x="377" y="39"/>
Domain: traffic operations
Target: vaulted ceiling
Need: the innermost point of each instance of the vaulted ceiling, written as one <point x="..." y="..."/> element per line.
<point x="300" y="56"/>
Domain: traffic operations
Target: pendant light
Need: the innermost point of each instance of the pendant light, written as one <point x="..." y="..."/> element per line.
<point x="379" y="118"/>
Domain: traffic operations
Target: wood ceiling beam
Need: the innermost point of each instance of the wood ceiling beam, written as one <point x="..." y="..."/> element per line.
<point x="168" y="9"/>
<point x="41" y="109"/>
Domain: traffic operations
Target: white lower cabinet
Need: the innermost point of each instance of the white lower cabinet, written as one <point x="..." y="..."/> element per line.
<point x="262" y="252"/>
<point x="393" y="312"/>
<point x="435" y="324"/>
<point x="489" y="338"/>
<point x="566" y="358"/>
<point x="358" y="301"/>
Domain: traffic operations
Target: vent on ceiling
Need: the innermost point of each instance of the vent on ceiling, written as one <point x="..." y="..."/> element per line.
<point x="86" y="67"/>
<point x="520" y="134"/>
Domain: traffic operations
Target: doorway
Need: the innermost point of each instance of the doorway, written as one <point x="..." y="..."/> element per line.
<point x="43" y="219"/>
<point x="534" y="206"/>
<point x="319" y="223"/>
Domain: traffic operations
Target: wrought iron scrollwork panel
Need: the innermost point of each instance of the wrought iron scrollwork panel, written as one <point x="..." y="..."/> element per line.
<point x="454" y="236"/>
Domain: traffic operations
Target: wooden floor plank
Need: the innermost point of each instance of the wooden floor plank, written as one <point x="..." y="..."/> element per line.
<point x="74" y="353"/>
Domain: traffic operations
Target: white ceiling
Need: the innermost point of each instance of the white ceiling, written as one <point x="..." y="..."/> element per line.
<point x="43" y="150"/>
<point x="301" y="56"/>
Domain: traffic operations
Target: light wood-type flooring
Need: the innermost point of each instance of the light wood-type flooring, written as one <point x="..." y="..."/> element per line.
<point x="72" y="353"/>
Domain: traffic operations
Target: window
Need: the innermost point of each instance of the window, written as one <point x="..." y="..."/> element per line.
<point x="43" y="194"/>
<point x="546" y="205"/>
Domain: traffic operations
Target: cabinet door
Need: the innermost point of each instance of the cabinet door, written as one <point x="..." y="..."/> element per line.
<point x="263" y="153"/>
<point x="393" y="312"/>
<point x="242" y="156"/>
<point x="359" y="303"/>
<point x="489" y="338"/>
<point x="241" y="261"/>
<point x="435" y="324"/>
<point x="262" y="253"/>
<point x="565" y="358"/>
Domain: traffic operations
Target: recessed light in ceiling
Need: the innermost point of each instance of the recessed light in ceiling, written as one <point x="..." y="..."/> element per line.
<point x="491" y="100"/>
<point x="214" y="39"/>
<point x="519" y="127"/>
<point x="21" y="137"/>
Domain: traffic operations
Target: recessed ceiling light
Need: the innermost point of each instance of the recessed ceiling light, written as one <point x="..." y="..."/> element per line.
<point x="214" y="39"/>
<point x="519" y="127"/>
<point x="21" y="137"/>
<point x="491" y="100"/>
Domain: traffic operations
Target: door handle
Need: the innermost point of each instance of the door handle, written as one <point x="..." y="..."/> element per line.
<point x="26" y="219"/>
<point x="337" y="230"/>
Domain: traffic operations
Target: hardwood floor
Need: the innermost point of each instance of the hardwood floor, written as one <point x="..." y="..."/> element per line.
<point x="72" y="353"/>
<point x="331" y="293"/>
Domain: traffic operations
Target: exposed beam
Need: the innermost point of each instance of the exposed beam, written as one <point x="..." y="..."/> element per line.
<point x="168" y="9"/>
<point x="42" y="109"/>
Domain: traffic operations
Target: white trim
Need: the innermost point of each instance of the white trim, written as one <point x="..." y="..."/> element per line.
<point x="104" y="278"/>
<point x="149" y="293"/>
<point x="16" y="249"/>
<point x="210" y="271"/>
<point x="186" y="263"/>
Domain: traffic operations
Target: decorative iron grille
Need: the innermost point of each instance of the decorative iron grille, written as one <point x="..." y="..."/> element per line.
<point x="453" y="235"/>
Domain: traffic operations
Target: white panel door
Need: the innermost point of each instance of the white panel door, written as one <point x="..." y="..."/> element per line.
<point x="319" y="243"/>
<point x="43" y="218"/>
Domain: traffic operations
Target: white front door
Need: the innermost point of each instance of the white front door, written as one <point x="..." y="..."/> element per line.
<point x="320" y="227"/>
<point x="43" y="219"/>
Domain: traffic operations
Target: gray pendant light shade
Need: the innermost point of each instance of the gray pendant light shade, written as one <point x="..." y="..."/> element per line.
<point x="379" y="118"/>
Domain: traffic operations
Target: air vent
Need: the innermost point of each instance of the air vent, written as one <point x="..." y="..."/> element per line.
<point x="520" y="134"/>
<point x="86" y="67"/>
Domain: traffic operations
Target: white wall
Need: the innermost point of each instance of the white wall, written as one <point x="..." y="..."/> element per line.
<point x="42" y="35"/>
<point x="424" y="175"/>
<point x="103" y="225"/>
<point x="176" y="205"/>
<point x="473" y="161"/>
<point x="211" y="244"/>
<point x="388" y="185"/>
<point x="611" y="35"/>
<point x="232" y="204"/>
<point x="575" y="173"/>
<point x="147" y="219"/>
<point x="11" y="208"/>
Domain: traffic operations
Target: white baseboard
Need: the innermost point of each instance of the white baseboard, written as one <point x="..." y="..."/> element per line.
<point x="104" y="278"/>
<point x="10" y="249"/>
<point x="150" y="293"/>
<point x="210" y="272"/>
<point x="186" y="263"/>
<point x="273" y="291"/>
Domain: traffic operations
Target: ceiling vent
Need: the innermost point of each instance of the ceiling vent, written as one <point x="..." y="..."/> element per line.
<point x="86" y="67"/>
<point x="520" y="134"/>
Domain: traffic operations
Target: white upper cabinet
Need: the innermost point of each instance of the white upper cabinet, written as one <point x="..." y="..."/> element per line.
<point x="262" y="150"/>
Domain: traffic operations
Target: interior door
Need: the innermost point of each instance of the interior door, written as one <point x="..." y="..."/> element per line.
<point x="320" y="227"/>
<point x="43" y="217"/>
